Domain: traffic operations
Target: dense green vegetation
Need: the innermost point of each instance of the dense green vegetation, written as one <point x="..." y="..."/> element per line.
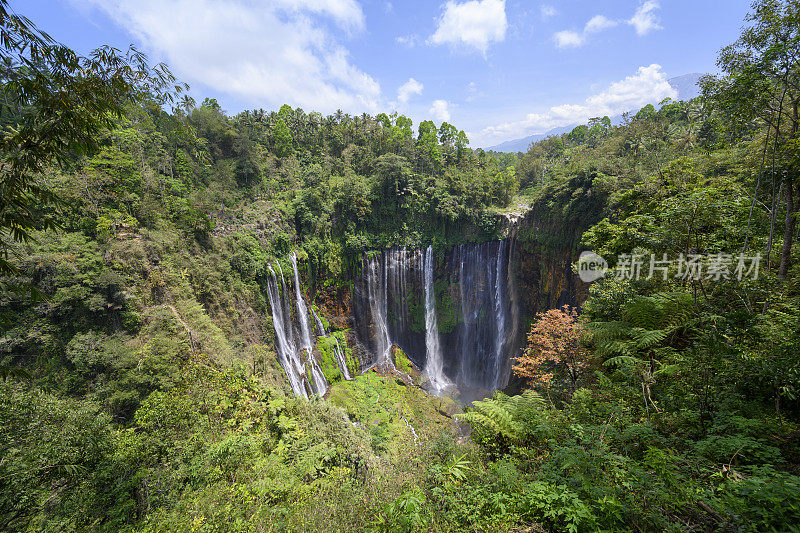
<point x="141" y="388"/>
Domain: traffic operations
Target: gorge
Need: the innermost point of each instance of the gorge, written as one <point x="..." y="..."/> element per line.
<point x="453" y="314"/>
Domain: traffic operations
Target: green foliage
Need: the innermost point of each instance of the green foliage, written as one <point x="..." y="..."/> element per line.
<point x="498" y="419"/>
<point x="405" y="514"/>
<point x="44" y="128"/>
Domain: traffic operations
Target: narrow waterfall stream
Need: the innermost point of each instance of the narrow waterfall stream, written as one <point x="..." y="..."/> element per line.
<point x="298" y="361"/>
<point x="287" y="352"/>
<point x="434" y="366"/>
<point x="318" y="382"/>
<point x="377" y="301"/>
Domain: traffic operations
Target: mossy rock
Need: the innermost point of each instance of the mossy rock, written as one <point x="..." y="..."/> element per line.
<point x="326" y="357"/>
<point x="446" y="315"/>
<point x="402" y="362"/>
<point x="447" y="406"/>
<point x="387" y="408"/>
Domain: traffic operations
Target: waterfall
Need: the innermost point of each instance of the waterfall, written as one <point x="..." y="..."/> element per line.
<point x="320" y="327"/>
<point x="377" y="295"/>
<point x="340" y="358"/>
<point x="500" y="316"/>
<point x="465" y="335"/>
<point x="469" y="314"/>
<point x="318" y="382"/>
<point x="287" y="353"/>
<point x="302" y="310"/>
<point x="434" y="367"/>
<point x="287" y="310"/>
<point x="305" y="378"/>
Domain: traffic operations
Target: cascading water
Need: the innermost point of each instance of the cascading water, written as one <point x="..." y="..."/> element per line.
<point x="305" y="378"/>
<point x="302" y="310"/>
<point x="465" y="335"/>
<point x="377" y="295"/>
<point x="499" y="313"/>
<point x="434" y="367"/>
<point x="318" y="382"/>
<point x="340" y="359"/>
<point x="287" y="352"/>
<point x="320" y="328"/>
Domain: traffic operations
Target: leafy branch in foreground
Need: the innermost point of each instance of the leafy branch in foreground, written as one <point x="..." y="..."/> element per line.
<point x="53" y="105"/>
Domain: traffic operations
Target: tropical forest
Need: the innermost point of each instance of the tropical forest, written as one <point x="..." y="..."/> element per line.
<point x="287" y="320"/>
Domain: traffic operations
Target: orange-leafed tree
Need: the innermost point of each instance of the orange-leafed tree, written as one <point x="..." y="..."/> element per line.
<point x="554" y="347"/>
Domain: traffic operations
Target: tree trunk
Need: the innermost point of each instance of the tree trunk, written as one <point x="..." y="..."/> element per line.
<point x="788" y="233"/>
<point x="773" y="214"/>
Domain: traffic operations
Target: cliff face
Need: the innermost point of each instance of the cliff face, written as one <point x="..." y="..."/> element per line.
<point x="486" y="294"/>
<point x="547" y="243"/>
<point x="543" y="266"/>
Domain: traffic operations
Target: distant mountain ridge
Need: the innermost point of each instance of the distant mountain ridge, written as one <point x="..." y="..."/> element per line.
<point x="686" y="86"/>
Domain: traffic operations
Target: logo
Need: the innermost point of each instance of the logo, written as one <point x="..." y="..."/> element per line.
<point x="591" y="267"/>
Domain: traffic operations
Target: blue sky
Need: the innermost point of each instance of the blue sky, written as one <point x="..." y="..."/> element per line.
<point x="499" y="69"/>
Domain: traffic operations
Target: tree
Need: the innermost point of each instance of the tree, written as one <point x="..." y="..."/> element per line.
<point x="554" y="345"/>
<point x="761" y="80"/>
<point x="282" y="139"/>
<point x="428" y="148"/>
<point x="54" y="104"/>
<point x="579" y="134"/>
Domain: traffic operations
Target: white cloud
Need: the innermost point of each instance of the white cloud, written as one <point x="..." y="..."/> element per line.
<point x="547" y="11"/>
<point x="599" y="23"/>
<point x="265" y="53"/>
<point x="407" y="40"/>
<point x="347" y="12"/>
<point x="409" y="88"/>
<point x="645" y="20"/>
<point x="568" y="39"/>
<point x="472" y="24"/>
<point x="648" y="86"/>
<point x="473" y="93"/>
<point x="439" y="110"/>
<point x="573" y="39"/>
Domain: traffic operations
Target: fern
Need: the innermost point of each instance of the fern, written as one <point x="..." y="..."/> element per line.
<point x="646" y="339"/>
<point x="623" y="360"/>
<point x="502" y="415"/>
<point x="647" y="326"/>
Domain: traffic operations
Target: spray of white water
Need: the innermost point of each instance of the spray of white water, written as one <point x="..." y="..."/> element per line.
<point x="318" y="381"/>
<point x="287" y="352"/>
<point x="434" y="366"/>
